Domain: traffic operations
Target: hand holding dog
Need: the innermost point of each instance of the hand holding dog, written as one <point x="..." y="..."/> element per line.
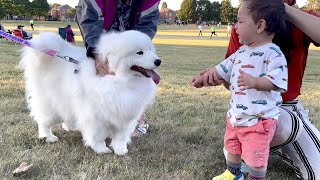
<point x="102" y="68"/>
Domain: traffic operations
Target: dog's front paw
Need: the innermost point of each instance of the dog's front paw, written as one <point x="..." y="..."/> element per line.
<point x="121" y="151"/>
<point x="101" y="148"/>
<point x="52" y="139"/>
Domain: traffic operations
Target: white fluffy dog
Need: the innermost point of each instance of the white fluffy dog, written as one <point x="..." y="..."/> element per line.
<point x="95" y="106"/>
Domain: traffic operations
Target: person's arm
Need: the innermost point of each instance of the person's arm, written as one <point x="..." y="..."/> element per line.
<point x="71" y="32"/>
<point x="90" y="21"/>
<point x="275" y="78"/>
<point x="149" y="22"/>
<point x="246" y="81"/>
<point x="308" y="23"/>
<point x="234" y="44"/>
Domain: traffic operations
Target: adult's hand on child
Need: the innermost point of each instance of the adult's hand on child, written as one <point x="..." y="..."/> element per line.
<point x="212" y="78"/>
<point x="196" y="81"/>
<point x="246" y="81"/>
<point x="102" y="68"/>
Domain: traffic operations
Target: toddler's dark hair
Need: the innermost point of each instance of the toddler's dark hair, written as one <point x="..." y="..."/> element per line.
<point x="272" y="11"/>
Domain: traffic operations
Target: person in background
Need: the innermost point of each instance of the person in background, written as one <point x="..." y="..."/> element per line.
<point x="26" y="35"/>
<point x="31" y="24"/>
<point x="200" y="29"/>
<point x="213" y="30"/>
<point x="2" y="27"/>
<point x="70" y="34"/>
<point x="229" y="27"/>
<point x="95" y="17"/>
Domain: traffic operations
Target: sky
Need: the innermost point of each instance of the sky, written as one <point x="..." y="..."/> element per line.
<point x="172" y="4"/>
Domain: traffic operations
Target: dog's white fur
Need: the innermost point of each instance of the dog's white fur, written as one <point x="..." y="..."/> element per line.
<point x="95" y="106"/>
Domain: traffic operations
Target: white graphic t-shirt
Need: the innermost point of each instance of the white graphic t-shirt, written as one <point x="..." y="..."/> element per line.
<point x="247" y="106"/>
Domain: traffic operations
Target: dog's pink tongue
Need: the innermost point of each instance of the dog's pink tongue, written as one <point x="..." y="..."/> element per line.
<point x="154" y="76"/>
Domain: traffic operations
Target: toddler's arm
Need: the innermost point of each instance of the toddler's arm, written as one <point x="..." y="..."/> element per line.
<point x="246" y="81"/>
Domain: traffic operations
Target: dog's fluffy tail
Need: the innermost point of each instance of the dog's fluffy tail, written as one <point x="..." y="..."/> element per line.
<point x="34" y="58"/>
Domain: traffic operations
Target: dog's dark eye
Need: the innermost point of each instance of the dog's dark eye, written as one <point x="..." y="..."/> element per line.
<point x="140" y="52"/>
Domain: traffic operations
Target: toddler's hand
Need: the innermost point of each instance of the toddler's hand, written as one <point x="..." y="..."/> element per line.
<point x="246" y="81"/>
<point x="196" y="81"/>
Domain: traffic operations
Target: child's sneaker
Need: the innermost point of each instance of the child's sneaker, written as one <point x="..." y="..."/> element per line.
<point x="227" y="175"/>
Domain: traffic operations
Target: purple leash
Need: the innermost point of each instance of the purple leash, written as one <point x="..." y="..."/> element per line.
<point x="50" y="52"/>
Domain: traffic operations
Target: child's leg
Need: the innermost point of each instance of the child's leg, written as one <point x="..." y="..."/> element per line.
<point x="255" y="142"/>
<point x="233" y="146"/>
<point x="257" y="173"/>
<point x="234" y="163"/>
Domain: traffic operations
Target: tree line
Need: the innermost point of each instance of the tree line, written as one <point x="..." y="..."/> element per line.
<point x="23" y="8"/>
<point x="204" y="10"/>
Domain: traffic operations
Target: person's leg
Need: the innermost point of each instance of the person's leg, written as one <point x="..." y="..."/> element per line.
<point x="304" y="152"/>
<point x="296" y="141"/>
<point x="255" y="142"/>
<point x="257" y="173"/>
<point x="141" y="128"/>
<point x="233" y="146"/>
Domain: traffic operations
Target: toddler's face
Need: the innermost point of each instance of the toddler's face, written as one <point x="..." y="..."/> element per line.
<point x="246" y="27"/>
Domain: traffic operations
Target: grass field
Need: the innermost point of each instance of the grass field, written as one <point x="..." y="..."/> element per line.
<point x="187" y="125"/>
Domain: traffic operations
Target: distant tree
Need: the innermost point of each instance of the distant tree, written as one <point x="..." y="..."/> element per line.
<point x="188" y="10"/>
<point x="21" y="7"/>
<point x="8" y="7"/>
<point x="71" y="13"/>
<point x="234" y="15"/>
<point x="164" y="5"/>
<point x="204" y="9"/>
<point x="2" y="12"/>
<point x="226" y="11"/>
<point x="216" y="11"/>
<point x="240" y="2"/>
<point x="41" y="7"/>
<point x="54" y="5"/>
<point x="313" y="4"/>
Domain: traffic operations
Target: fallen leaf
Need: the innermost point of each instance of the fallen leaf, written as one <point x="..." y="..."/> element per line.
<point x="24" y="167"/>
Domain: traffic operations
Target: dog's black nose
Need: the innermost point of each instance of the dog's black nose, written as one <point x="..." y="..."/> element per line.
<point x="157" y="62"/>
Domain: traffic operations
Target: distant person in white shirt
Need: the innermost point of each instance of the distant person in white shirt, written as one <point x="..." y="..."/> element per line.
<point x="200" y="29"/>
<point x="229" y="27"/>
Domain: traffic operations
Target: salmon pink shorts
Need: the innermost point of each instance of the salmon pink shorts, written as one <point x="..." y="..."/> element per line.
<point x="252" y="142"/>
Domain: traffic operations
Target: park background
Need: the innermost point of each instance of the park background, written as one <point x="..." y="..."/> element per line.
<point x="187" y="124"/>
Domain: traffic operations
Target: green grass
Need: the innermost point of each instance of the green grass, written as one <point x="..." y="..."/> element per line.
<point x="187" y="125"/>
